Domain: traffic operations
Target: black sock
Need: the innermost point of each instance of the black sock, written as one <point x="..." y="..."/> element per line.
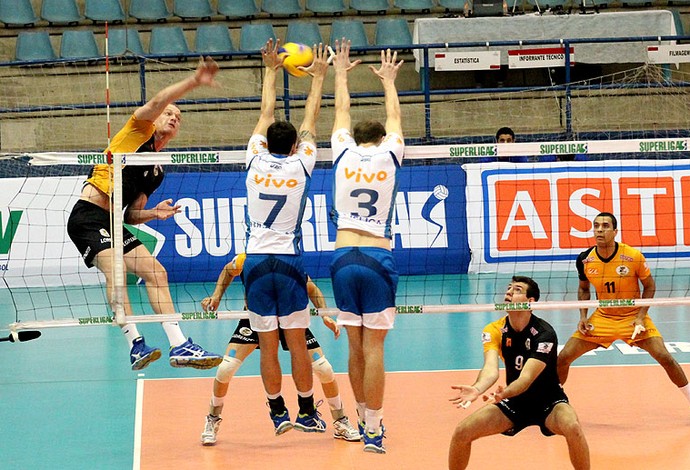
<point x="277" y="405"/>
<point x="306" y="404"/>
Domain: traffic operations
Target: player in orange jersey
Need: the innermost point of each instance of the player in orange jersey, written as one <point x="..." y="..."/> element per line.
<point x="616" y="270"/>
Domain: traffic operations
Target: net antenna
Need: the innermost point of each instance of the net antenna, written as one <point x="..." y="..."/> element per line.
<point x="116" y="216"/>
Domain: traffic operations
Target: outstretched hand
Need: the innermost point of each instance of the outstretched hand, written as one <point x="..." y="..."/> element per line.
<point x="269" y="54"/>
<point x="495" y="396"/>
<point x="465" y="396"/>
<point x="341" y="60"/>
<point x="319" y="65"/>
<point x="165" y="209"/>
<point x="206" y="71"/>
<point x="389" y="68"/>
<point x="210" y="304"/>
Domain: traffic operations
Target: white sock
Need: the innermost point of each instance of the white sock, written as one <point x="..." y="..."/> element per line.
<point x="686" y="391"/>
<point x="217" y="401"/>
<point x="361" y="411"/>
<point x="306" y="394"/>
<point x="131" y="333"/>
<point x="373" y="420"/>
<point x="174" y="332"/>
<point x="335" y="403"/>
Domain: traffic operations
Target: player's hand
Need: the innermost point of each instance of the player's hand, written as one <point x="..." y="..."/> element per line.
<point x="319" y="65"/>
<point x="465" y="396"/>
<point x="341" y="60"/>
<point x="585" y="327"/>
<point x="206" y="72"/>
<point x="210" y="304"/>
<point x="269" y="54"/>
<point x="165" y="209"/>
<point x="495" y="396"/>
<point x="389" y="68"/>
<point x="639" y="328"/>
<point x="331" y="325"/>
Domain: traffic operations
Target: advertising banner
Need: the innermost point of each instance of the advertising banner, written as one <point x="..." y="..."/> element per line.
<point x="539" y="216"/>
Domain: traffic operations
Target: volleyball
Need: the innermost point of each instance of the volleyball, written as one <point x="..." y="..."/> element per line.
<point x="295" y="55"/>
<point x="441" y="192"/>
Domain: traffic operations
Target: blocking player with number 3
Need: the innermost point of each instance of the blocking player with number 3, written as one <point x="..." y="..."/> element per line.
<point x="279" y="164"/>
<point x="365" y="278"/>
<point x="616" y="270"/>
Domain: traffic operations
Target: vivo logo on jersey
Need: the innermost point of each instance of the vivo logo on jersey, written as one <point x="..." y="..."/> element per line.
<point x="368" y="177"/>
<point x="536" y="213"/>
<point x="268" y="181"/>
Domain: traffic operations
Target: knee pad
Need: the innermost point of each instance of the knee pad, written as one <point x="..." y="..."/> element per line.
<point x="227" y="369"/>
<point x="323" y="370"/>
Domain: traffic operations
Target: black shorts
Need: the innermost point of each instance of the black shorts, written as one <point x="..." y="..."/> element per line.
<point x="89" y="228"/>
<point x="245" y="335"/>
<point x="528" y="412"/>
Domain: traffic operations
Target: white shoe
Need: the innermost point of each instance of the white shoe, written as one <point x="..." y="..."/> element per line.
<point x="342" y="429"/>
<point x="208" y="437"/>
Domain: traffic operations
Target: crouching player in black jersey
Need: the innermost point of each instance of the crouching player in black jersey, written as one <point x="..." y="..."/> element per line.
<point x="533" y="396"/>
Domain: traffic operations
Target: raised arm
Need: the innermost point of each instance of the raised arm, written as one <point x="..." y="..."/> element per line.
<point x="317" y="70"/>
<point x="272" y="63"/>
<point x="204" y="75"/>
<point x="387" y="73"/>
<point x="224" y="279"/>
<point x="342" y="65"/>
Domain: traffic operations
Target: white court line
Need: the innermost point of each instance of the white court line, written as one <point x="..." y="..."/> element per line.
<point x="138" y="418"/>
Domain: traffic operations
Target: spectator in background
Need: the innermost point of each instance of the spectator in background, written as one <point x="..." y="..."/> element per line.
<point x="504" y="135"/>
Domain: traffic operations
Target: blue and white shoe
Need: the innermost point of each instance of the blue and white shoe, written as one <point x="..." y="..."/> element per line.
<point x="189" y="354"/>
<point x="311" y="422"/>
<point x="281" y="422"/>
<point x="141" y="355"/>
<point x="373" y="442"/>
<point x="362" y="428"/>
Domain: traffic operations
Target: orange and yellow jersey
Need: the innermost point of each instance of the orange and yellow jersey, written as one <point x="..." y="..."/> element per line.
<point x="135" y="136"/>
<point x="537" y="340"/>
<point x="616" y="277"/>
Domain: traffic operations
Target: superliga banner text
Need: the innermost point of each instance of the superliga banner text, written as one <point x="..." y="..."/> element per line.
<point x="429" y="226"/>
<point x="539" y="216"/>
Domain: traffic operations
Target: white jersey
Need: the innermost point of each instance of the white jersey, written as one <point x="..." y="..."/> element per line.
<point x="366" y="181"/>
<point x="277" y="187"/>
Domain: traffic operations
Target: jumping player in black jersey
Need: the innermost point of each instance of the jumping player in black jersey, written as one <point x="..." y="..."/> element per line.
<point x="149" y="129"/>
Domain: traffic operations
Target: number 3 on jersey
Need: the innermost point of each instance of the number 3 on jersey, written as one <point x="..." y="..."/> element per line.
<point x="366" y="203"/>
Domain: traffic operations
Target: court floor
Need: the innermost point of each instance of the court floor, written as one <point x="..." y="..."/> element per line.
<point x="70" y="400"/>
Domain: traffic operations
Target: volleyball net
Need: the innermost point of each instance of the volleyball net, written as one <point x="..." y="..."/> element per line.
<point x="462" y="224"/>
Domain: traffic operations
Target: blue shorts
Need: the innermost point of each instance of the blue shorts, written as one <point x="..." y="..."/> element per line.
<point x="276" y="288"/>
<point x="365" y="279"/>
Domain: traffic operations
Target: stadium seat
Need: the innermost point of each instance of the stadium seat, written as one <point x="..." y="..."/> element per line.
<point x="237" y="8"/>
<point x="124" y="41"/>
<point x="452" y="5"/>
<point x="349" y="29"/>
<point x="193" y="10"/>
<point x="79" y="44"/>
<point x="370" y="6"/>
<point x="328" y="7"/>
<point x="17" y="13"/>
<point x="254" y="36"/>
<point x="393" y="32"/>
<point x="104" y="10"/>
<point x="60" y="12"/>
<point x="289" y="8"/>
<point x="149" y="10"/>
<point x="424" y="6"/>
<point x="34" y="45"/>
<point x="213" y="38"/>
<point x="168" y="40"/>
<point x="303" y="32"/>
